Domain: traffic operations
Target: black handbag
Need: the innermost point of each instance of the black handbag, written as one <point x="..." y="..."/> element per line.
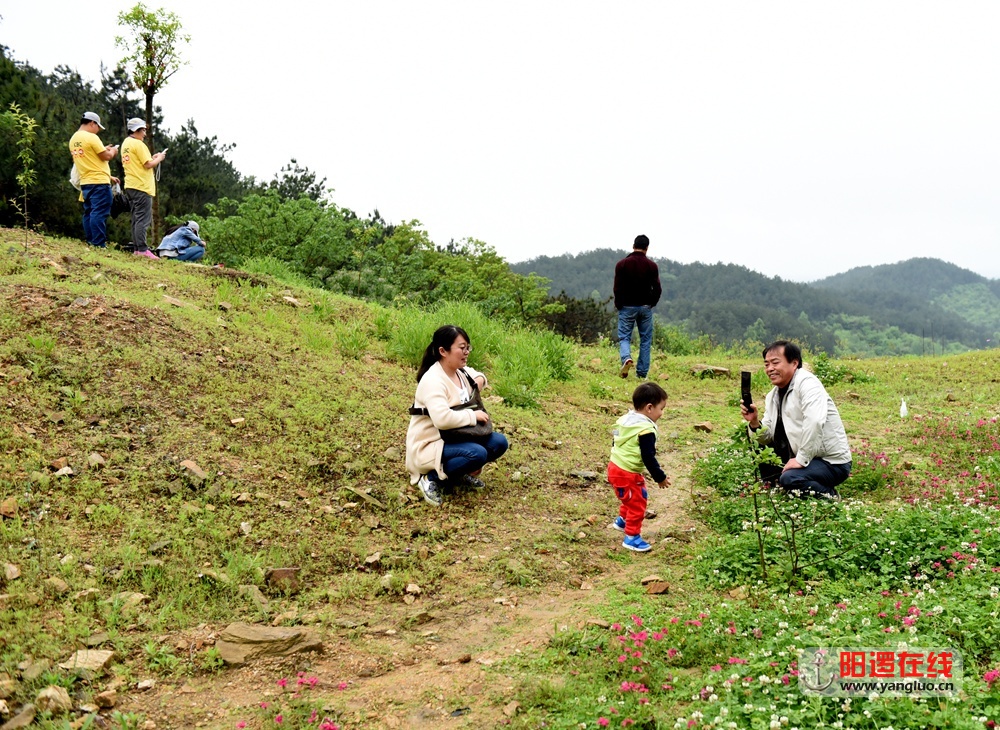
<point x="120" y="203"/>
<point x="464" y="433"/>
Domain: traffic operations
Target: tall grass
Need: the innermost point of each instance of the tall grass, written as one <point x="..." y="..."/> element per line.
<point x="519" y="362"/>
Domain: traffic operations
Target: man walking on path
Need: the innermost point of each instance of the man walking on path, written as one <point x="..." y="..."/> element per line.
<point x="637" y="290"/>
<point x="140" y="185"/>
<point x="90" y="158"/>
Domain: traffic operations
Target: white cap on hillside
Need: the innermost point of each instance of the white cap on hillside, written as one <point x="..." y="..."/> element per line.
<point x="92" y="117"/>
<point x="135" y="124"/>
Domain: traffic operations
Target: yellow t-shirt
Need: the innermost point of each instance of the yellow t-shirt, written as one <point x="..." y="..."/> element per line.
<point x="135" y="155"/>
<point x="85" y="148"/>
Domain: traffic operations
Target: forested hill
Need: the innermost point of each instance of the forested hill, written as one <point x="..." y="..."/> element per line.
<point x="916" y="306"/>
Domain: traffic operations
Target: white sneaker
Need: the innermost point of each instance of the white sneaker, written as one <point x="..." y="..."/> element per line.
<point x="430" y="489"/>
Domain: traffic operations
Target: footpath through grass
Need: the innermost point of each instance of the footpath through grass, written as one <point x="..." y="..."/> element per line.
<point x="216" y="425"/>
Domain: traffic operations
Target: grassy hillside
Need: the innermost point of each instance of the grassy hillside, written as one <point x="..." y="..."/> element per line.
<point x="292" y="402"/>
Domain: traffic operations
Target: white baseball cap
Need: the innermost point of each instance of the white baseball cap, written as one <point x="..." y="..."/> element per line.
<point x="135" y="123"/>
<point x="92" y="117"/>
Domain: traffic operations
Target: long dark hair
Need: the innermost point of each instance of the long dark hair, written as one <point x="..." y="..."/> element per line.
<point x="443" y="337"/>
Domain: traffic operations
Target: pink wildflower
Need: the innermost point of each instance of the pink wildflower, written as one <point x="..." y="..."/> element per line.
<point x="342" y="685"/>
<point x="278" y="719"/>
<point x="603" y="721"/>
<point x="716" y="667"/>
<point x="241" y="724"/>
<point x="282" y="682"/>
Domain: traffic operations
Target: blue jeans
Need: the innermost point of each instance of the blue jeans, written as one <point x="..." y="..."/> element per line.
<point x="96" y="209"/>
<point x="191" y="253"/>
<point x="641" y="317"/>
<point x="470" y="456"/>
<point x="819" y="478"/>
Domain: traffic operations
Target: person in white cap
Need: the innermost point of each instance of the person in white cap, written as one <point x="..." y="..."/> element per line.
<point x="140" y="185"/>
<point x="90" y="158"/>
<point x="182" y="243"/>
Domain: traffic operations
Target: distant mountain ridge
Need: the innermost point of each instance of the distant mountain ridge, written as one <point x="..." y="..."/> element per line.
<point x="917" y="306"/>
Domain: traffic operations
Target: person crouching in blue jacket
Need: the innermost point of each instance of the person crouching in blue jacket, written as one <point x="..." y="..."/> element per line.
<point x="182" y="243"/>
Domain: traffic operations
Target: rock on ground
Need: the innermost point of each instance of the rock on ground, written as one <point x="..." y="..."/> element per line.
<point x="240" y="642"/>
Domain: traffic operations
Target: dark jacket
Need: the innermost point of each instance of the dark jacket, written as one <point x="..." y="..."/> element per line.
<point x="637" y="281"/>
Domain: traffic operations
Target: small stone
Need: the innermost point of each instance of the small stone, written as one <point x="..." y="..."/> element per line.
<point x="511" y="708"/>
<point x="54" y="699"/>
<point x="175" y="302"/>
<point x="34" y="670"/>
<point x="245" y="528"/>
<point x="146" y="685"/>
<point x="11" y="572"/>
<point x="285" y="580"/>
<point x="599" y="623"/>
<point x="255" y="595"/>
<point x="237" y="421"/>
<point x="194" y="471"/>
<point x="159" y="546"/>
<point x="88" y="662"/>
<point x="516" y="476"/>
<point x="69" y="559"/>
<point x="650" y="579"/>
<point x="88" y="595"/>
<point x="224" y="306"/>
<point x="586" y="586"/>
<point x="8" y="508"/>
<point x="244" y="498"/>
<point x="7" y="687"/>
<point x="704" y="427"/>
<point x="587" y="476"/>
<point x="22" y="719"/>
<point x="291" y="300"/>
<point x="738" y="593"/>
<point x="56" y="585"/>
<point x="413" y="589"/>
<point x="66" y="471"/>
<point x="107" y="699"/>
<point x="551" y="445"/>
<point x="130" y="600"/>
<point x="657" y="588"/>
<point x="97" y="639"/>
<point x="373" y="559"/>
<point x="61" y="463"/>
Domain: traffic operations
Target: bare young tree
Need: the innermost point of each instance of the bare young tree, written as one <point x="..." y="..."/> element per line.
<point x="151" y="41"/>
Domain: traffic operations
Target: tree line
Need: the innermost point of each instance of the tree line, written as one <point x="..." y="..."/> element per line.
<point x="914" y="307"/>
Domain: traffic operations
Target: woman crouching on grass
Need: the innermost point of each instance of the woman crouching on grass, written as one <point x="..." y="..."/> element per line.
<point x="444" y="381"/>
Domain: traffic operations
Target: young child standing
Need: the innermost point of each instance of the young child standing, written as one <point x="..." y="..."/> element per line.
<point x="635" y="448"/>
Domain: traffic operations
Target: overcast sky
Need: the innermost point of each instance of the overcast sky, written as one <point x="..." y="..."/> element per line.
<point x="798" y="139"/>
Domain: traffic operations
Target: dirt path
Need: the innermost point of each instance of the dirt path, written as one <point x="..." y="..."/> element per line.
<point x="440" y="673"/>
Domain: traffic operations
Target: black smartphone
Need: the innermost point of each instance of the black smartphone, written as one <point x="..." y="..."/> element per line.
<point x="745" y="388"/>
